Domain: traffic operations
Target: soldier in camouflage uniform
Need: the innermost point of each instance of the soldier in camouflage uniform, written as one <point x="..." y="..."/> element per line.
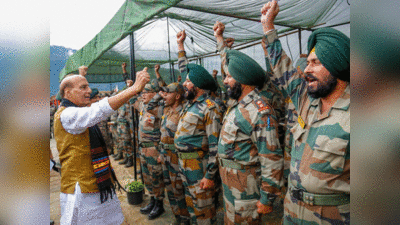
<point x="319" y="179"/>
<point x="103" y="126"/>
<point x="171" y="108"/>
<point x="196" y="139"/>
<point x="112" y="125"/>
<point x="249" y="153"/>
<point x="269" y="91"/>
<point x="149" y="138"/>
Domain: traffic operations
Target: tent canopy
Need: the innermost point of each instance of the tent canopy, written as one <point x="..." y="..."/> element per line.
<point x="154" y="23"/>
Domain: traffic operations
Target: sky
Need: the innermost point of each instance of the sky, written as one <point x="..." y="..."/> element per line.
<point x="74" y="23"/>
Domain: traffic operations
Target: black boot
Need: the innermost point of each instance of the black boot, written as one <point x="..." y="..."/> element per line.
<point x="157" y="210"/>
<point x="125" y="160"/>
<point x="130" y="162"/>
<point x="147" y="209"/>
<point x="119" y="156"/>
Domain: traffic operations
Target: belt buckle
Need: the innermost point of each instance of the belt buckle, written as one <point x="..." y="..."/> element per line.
<point x="297" y="194"/>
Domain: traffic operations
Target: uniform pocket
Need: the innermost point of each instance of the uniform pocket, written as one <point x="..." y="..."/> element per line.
<point x="203" y="197"/>
<point x="189" y="124"/>
<point x="246" y="209"/>
<point x="329" y="155"/>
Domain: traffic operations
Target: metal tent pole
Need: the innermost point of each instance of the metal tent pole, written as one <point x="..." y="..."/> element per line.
<point x="300" y="39"/>
<point x="133" y="78"/>
<point x="169" y="54"/>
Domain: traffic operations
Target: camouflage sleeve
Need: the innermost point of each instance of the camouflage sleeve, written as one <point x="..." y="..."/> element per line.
<point x="121" y="113"/>
<point x="126" y="76"/>
<point x="265" y="135"/>
<point x="161" y="82"/>
<point x="135" y="102"/>
<point x="182" y="62"/>
<point x="221" y="47"/>
<point x="213" y="119"/>
<point x="283" y="74"/>
<point x="156" y="105"/>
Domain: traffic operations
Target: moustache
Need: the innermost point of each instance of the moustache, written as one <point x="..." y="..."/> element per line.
<point x="310" y="77"/>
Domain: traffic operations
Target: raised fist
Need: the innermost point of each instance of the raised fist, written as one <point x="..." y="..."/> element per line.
<point x="157" y="68"/>
<point x="218" y="29"/>
<point x="268" y="13"/>
<point x="181" y="36"/>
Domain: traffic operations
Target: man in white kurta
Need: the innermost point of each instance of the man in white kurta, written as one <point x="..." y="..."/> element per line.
<point x="80" y="198"/>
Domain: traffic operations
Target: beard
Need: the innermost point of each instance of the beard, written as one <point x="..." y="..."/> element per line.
<point x="234" y="92"/>
<point x="190" y="94"/>
<point x="324" y="87"/>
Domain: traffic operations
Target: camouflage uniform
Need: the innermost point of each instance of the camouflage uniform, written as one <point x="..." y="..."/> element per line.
<point x="251" y="160"/>
<point x="319" y="179"/>
<point x="197" y="136"/>
<point x="112" y="124"/>
<point x="249" y="152"/>
<point x="104" y="131"/>
<point x="197" y="133"/>
<point x="149" y="138"/>
<point x="123" y="129"/>
<point x="172" y="178"/>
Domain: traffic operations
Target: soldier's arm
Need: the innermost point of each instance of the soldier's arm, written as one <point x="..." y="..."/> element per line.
<point x="221" y="45"/>
<point x="135" y="102"/>
<point x="279" y="65"/>
<point x="160" y="81"/>
<point x="155" y="105"/>
<point x="212" y="121"/>
<point x="182" y="60"/>
<point x="265" y="135"/>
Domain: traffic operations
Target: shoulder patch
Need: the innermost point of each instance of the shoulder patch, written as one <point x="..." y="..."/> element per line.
<point x="262" y="106"/>
<point x="209" y="103"/>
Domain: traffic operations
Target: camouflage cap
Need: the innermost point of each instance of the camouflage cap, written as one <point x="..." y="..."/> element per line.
<point x="173" y="87"/>
<point x="152" y="86"/>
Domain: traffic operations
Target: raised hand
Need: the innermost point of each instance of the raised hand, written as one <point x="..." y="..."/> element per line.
<point x="268" y="13"/>
<point x="181" y="36"/>
<point x="157" y="68"/>
<point x="219" y="29"/>
<point x="142" y="78"/>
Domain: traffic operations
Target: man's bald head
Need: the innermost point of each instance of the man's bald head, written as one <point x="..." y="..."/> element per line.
<point x="76" y="89"/>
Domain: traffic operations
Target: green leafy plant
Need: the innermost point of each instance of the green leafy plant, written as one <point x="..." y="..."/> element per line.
<point x="134" y="186"/>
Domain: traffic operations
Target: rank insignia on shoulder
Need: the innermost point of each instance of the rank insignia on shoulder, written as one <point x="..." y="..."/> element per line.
<point x="209" y="103"/>
<point x="162" y="117"/>
<point x="262" y="107"/>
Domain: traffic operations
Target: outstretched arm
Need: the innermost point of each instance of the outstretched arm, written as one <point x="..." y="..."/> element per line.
<point x="279" y="65"/>
<point x="182" y="60"/>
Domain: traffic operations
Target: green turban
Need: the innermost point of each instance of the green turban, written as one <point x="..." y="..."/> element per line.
<point x="95" y="92"/>
<point x="332" y="48"/>
<point x="152" y="86"/>
<point x="200" y="77"/>
<point x="244" y="69"/>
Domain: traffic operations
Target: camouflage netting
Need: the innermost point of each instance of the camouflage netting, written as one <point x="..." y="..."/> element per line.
<point x="152" y="21"/>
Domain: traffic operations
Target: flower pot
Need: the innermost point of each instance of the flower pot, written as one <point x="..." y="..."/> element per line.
<point x="135" y="198"/>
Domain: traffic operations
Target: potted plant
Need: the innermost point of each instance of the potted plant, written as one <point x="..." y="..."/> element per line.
<point x="134" y="192"/>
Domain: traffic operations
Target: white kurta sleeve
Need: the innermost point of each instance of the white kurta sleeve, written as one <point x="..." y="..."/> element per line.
<point x="76" y="120"/>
